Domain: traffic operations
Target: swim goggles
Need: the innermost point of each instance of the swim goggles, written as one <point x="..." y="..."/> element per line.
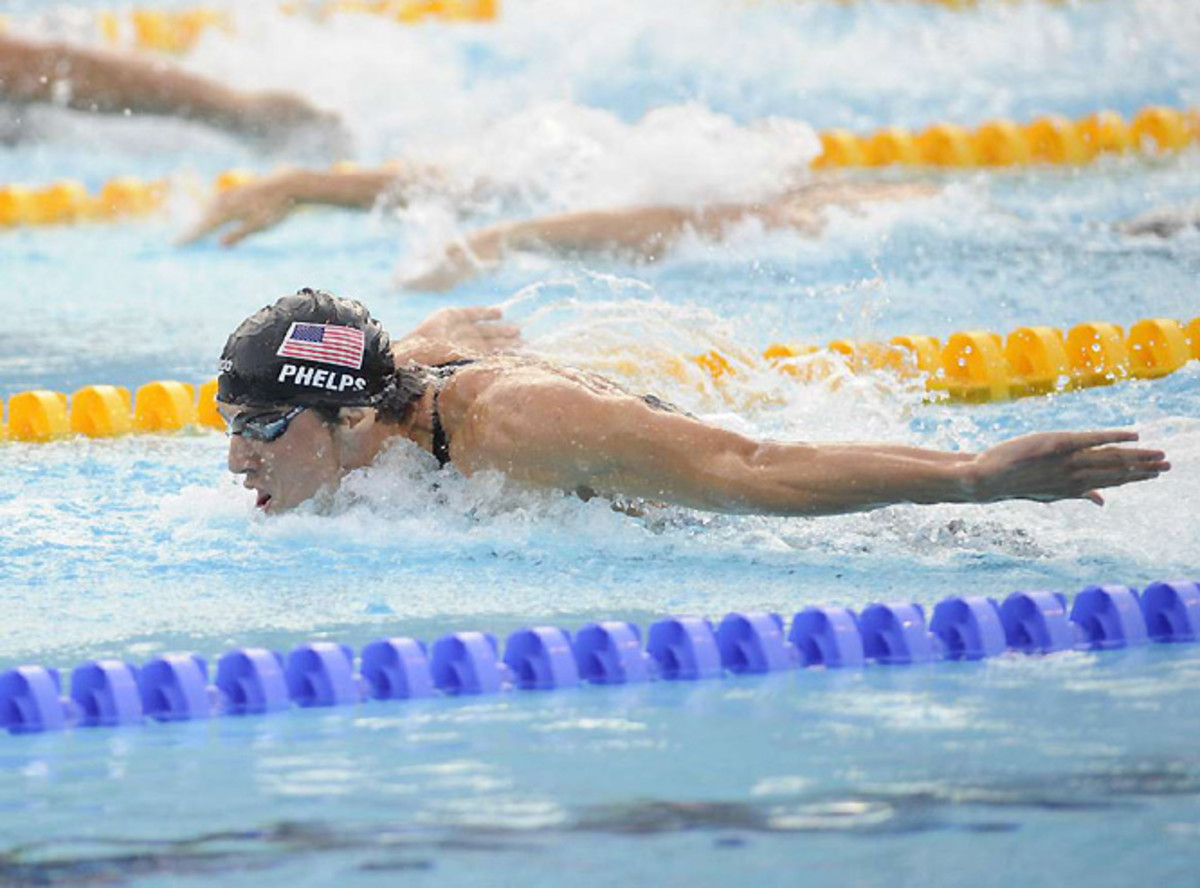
<point x="267" y="427"/>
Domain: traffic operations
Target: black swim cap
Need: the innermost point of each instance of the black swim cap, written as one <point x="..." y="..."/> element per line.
<point x="308" y="349"/>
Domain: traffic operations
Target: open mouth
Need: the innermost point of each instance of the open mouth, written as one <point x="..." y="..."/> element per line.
<point x="262" y="500"/>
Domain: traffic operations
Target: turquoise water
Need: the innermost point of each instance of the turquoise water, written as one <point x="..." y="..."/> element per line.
<point x="1063" y="769"/>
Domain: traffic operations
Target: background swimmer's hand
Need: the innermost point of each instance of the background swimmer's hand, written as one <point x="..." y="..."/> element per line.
<point x="255" y="206"/>
<point x="453" y="333"/>
<point x="1061" y="465"/>
<point x="481" y="252"/>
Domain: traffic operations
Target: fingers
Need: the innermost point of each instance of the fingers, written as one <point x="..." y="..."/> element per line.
<point x="1070" y="441"/>
<point x="1115" y="457"/>
<point x="1117" y="477"/>
<point x="500" y="331"/>
<point x="211" y="221"/>
<point x="481" y="312"/>
<point x="243" y="231"/>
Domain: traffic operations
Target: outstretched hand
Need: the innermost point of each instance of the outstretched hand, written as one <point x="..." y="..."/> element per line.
<point x="1063" y="465"/>
<point x="473" y="329"/>
<point x="253" y="207"/>
<point x="450" y="334"/>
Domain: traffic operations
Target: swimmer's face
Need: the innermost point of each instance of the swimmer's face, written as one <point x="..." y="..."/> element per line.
<point x="293" y="468"/>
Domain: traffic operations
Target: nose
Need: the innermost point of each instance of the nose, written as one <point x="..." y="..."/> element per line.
<point x="243" y="456"/>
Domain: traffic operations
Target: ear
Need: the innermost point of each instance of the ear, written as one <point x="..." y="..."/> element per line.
<point x="356" y="419"/>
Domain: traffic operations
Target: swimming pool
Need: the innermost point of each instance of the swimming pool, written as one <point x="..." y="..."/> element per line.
<point x="1065" y="768"/>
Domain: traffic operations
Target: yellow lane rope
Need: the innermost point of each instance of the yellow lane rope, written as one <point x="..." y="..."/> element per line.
<point x="973" y="367"/>
<point x="1002" y="143"/>
<point x="1047" y="140"/>
<point x="178" y="30"/>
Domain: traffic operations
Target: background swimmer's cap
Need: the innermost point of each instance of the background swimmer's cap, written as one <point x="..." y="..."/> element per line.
<point x="312" y="349"/>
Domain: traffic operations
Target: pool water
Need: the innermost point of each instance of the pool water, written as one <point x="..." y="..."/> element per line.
<point x="1065" y="769"/>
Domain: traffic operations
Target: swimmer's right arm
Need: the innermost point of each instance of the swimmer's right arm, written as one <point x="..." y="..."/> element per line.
<point x="104" y="82"/>
<point x="264" y="203"/>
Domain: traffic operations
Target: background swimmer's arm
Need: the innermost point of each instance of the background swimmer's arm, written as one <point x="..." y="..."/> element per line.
<point x="104" y="82"/>
<point x="566" y="437"/>
<point x="264" y="203"/>
<point x="644" y="231"/>
<point x="451" y="334"/>
<point x="647" y="232"/>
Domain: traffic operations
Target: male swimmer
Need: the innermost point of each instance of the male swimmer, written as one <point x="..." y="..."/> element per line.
<point x="311" y="389"/>
<point x="644" y="232"/>
<point x="96" y="81"/>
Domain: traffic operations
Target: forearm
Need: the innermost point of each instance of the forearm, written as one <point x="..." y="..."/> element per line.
<point x="622" y="446"/>
<point x="643" y="230"/>
<point x="358" y="189"/>
<point x="93" y="80"/>
<point x="806" y="480"/>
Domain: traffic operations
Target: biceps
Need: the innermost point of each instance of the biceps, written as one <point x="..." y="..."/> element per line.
<point x="625" y="447"/>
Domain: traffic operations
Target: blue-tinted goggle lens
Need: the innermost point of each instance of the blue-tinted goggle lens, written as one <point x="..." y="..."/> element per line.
<point x="263" y="426"/>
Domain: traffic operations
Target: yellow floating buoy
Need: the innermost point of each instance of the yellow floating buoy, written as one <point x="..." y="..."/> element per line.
<point x="127" y="196"/>
<point x="63" y="201"/>
<point x="1037" y="360"/>
<point x="1160" y="129"/>
<point x="1097" y="353"/>
<point x="1157" y="346"/>
<point x="925" y="352"/>
<point x="164" y="407"/>
<point x="1193" y="335"/>
<point x="1000" y="143"/>
<point x="840" y="148"/>
<point x="1054" y="139"/>
<point x="14" y="204"/>
<point x="38" y="416"/>
<point x="782" y="357"/>
<point x="946" y="145"/>
<point x="1105" y="131"/>
<point x="101" y="411"/>
<point x="206" y="409"/>
<point x="973" y="367"/>
<point x="892" y="145"/>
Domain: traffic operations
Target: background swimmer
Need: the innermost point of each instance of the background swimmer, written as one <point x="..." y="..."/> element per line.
<point x="311" y="391"/>
<point x="646" y="232"/>
<point x="102" y="82"/>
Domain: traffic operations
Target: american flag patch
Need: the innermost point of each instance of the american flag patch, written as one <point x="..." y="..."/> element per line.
<point x="324" y="343"/>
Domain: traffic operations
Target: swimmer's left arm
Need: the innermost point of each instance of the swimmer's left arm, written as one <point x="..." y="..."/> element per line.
<point x="451" y="334"/>
<point x="569" y="438"/>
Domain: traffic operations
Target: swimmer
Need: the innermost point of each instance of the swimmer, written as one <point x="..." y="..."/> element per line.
<point x="107" y="83"/>
<point x="311" y="390"/>
<point x="644" y="232"/>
